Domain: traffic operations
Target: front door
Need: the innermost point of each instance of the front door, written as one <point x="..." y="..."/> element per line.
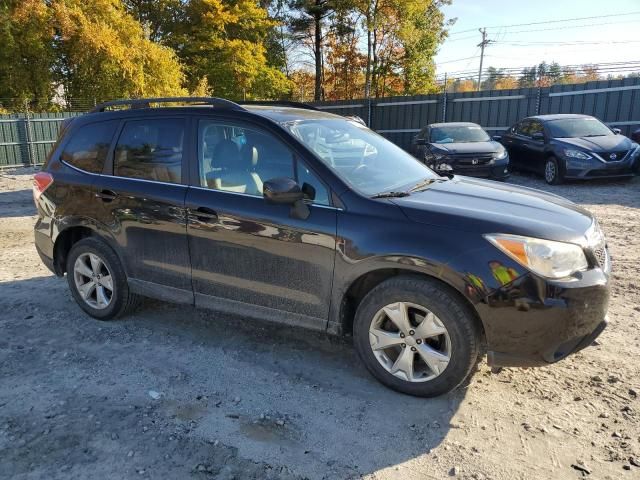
<point x="141" y="201"/>
<point x="245" y="252"/>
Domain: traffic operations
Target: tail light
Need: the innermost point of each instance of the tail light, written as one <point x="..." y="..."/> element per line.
<point x="41" y="182"/>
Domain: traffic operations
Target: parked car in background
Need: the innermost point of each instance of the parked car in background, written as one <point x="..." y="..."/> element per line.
<point x="564" y="146"/>
<point x="309" y="219"/>
<point x="461" y="148"/>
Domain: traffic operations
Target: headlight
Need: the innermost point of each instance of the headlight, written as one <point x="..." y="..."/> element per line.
<point x="577" y="154"/>
<point x="545" y="257"/>
<point x="500" y="155"/>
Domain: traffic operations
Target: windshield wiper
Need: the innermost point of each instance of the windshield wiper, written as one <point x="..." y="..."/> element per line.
<point x="425" y="183"/>
<point x="390" y="194"/>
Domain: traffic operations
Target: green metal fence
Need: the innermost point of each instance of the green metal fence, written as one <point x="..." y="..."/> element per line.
<point x="26" y="138"/>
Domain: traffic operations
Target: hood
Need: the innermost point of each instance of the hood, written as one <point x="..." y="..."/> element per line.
<point x="606" y="143"/>
<point x="483" y="206"/>
<point x="468" y="147"/>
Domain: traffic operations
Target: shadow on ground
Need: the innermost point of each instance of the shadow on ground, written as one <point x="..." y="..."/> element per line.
<point x="16" y="203"/>
<point x="253" y="399"/>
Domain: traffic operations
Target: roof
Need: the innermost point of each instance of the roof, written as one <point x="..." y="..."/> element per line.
<point x="559" y="116"/>
<point x="454" y="124"/>
<point x="287" y="114"/>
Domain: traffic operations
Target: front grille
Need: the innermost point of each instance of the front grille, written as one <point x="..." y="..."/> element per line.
<point x="614" y="156"/>
<point x="470" y="159"/>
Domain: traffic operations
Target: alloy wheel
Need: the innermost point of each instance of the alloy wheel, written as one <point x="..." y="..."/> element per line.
<point x="410" y="342"/>
<point x="93" y="280"/>
<point x="550" y="171"/>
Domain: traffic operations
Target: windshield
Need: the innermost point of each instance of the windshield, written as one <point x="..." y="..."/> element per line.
<point x="577" y="127"/>
<point x="362" y="158"/>
<point x="458" y="134"/>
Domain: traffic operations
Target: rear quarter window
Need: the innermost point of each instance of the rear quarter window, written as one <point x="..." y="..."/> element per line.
<point x="88" y="146"/>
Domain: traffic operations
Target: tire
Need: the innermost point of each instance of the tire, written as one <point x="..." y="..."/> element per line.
<point x="120" y="301"/>
<point x="552" y="173"/>
<point x="461" y="342"/>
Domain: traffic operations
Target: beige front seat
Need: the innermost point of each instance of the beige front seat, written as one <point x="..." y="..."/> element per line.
<point x="231" y="171"/>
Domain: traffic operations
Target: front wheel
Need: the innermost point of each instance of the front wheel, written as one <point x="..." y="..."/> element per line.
<point x="552" y="173"/>
<point x="415" y="336"/>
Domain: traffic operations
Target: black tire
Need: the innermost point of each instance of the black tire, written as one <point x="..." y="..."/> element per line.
<point x="463" y="329"/>
<point x="122" y="300"/>
<point x="558" y="176"/>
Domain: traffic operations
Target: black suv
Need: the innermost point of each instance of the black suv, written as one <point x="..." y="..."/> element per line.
<point x="567" y="146"/>
<point x="309" y="219"/>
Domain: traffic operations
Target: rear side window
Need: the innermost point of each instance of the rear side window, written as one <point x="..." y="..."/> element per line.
<point x="151" y="150"/>
<point x="88" y="147"/>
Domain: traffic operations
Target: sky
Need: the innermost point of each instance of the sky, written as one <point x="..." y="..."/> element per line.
<point x="602" y="39"/>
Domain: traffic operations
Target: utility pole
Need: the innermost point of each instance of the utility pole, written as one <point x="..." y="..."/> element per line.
<point x="482" y="44"/>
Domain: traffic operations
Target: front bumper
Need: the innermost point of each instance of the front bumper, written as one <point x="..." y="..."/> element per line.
<point x="496" y="170"/>
<point x="535" y="322"/>
<point x="594" y="168"/>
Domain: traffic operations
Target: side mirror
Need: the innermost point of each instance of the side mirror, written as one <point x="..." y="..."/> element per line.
<point x="282" y="191"/>
<point x="285" y="191"/>
<point x="617" y="131"/>
<point x="419" y="141"/>
<point x="538" y="136"/>
<point x="496" y="138"/>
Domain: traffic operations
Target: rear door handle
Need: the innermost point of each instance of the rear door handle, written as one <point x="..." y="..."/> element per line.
<point x="204" y="214"/>
<point x="106" y="195"/>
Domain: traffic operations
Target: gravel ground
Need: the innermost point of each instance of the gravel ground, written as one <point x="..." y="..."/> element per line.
<point x="175" y="392"/>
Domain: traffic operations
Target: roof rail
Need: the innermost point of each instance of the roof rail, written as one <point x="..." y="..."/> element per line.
<point x="146" y="103"/>
<point x="283" y="103"/>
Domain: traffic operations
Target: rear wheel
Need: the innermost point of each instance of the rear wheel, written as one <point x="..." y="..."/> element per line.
<point x="552" y="173"/>
<point x="97" y="280"/>
<point x="416" y="336"/>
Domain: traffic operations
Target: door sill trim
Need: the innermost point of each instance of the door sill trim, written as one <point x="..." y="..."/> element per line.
<point x="160" y="292"/>
<point x="258" y="312"/>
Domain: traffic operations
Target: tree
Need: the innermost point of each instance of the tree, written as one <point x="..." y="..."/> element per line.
<point x="402" y="39"/>
<point x="102" y="53"/>
<point x="307" y="25"/>
<point x="344" y="62"/>
<point x="223" y="40"/>
<point x="26" y="54"/>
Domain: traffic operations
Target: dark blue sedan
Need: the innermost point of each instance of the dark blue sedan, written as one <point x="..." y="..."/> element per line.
<point x="567" y="146"/>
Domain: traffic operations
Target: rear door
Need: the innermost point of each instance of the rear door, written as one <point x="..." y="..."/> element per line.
<point x="534" y="148"/>
<point x="245" y="252"/>
<point x="515" y="144"/>
<point x="141" y="201"/>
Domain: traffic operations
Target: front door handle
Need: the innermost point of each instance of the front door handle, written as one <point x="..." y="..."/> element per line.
<point x="106" y="195"/>
<point x="204" y="214"/>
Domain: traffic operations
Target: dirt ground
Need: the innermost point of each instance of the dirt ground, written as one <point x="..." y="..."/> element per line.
<point x="175" y="392"/>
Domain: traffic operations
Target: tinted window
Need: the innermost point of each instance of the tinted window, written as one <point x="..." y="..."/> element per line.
<point x="238" y="159"/>
<point x="320" y="193"/>
<point x="578" y="127"/>
<point x="458" y="134"/>
<point x="89" y="146"/>
<point x="535" y="127"/>
<point x="151" y="150"/>
<point x="523" y="128"/>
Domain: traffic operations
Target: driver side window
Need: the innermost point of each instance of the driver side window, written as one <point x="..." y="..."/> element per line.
<point x="237" y="159"/>
<point x="522" y="128"/>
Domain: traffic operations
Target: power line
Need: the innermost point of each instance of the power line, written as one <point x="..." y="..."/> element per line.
<point x="566" y="27"/>
<point x="550" y="21"/>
